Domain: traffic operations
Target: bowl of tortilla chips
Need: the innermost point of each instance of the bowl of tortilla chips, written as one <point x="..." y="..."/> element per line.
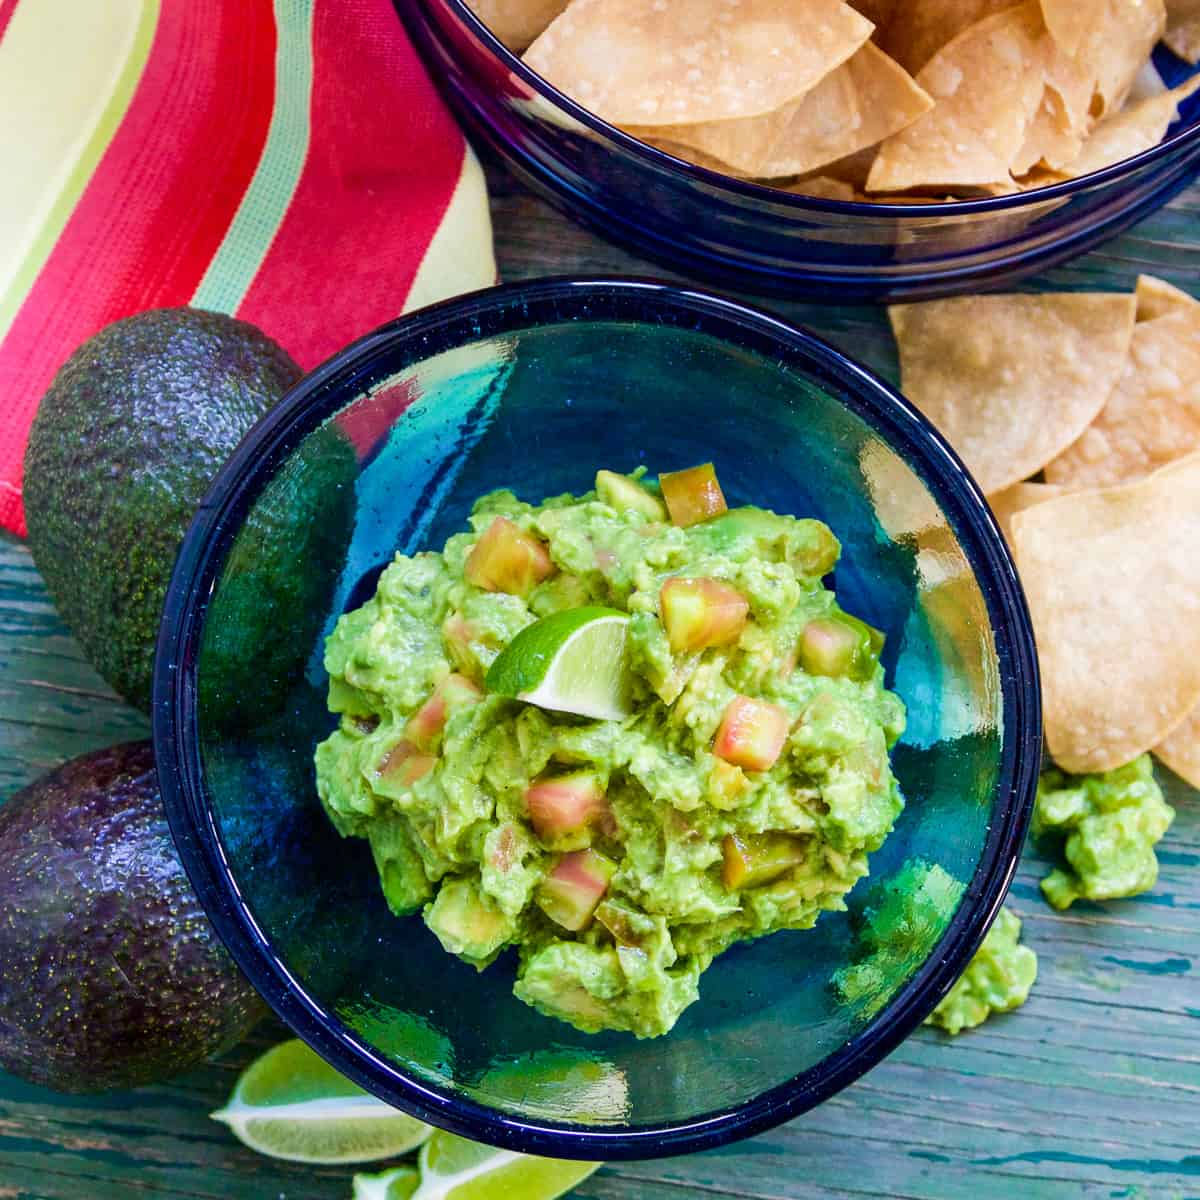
<point x="864" y="150"/>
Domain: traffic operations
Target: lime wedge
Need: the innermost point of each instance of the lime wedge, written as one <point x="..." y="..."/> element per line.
<point x="290" y="1103"/>
<point x="453" y="1168"/>
<point x="396" y="1184"/>
<point x="573" y="662"/>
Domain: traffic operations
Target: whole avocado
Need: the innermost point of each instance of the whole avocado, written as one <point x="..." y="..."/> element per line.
<point x="121" y="452"/>
<point x="110" y="974"/>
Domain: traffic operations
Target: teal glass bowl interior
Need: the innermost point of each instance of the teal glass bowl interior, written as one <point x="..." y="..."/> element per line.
<point x="533" y="387"/>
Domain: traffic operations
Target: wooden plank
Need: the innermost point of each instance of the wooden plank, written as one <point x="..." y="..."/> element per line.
<point x="1092" y="1090"/>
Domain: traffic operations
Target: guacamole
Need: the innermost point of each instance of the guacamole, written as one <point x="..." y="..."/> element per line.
<point x="742" y="795"/>
<point x="1111" y="823"/>
<point x="997" y="979"/>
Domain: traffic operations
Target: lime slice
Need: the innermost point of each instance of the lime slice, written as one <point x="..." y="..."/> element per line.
<point x="290" y="1103"/>
<point x="573" y="661"/>
<point x="396" y="1184"/>
<point x="453" y="1168"/>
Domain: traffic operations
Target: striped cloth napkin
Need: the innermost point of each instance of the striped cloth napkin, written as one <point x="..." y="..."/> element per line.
<point x="287" y="161"/>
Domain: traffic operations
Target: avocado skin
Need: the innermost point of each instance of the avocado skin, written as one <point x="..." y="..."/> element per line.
<point x="123" y="448"/>
<point x="110" y="974"/>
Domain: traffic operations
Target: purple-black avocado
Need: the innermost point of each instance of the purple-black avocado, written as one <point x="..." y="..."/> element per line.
<point x="110" y="974"/>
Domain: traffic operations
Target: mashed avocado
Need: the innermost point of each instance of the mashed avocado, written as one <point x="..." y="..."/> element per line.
<point x="1111" y="822"/>
<point x="619" y="857"/>
<point x="997" y="979"/>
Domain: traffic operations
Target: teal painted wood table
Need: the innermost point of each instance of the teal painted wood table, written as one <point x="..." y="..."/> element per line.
<point x="1092" y="1090"/>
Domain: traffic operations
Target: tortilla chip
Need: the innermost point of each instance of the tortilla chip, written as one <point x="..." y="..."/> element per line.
<point x="920" y="28"/>
<point x="1073" y="83"/>
<point x="1130" y="131"/>
<point x="1113" y="583"/>
<point x="1012" y="500"/>
<point x="696" y="157"/>
<point x="823" y="188"/>
<point x="878" y="12"/>
<point x="886" y="100"/>
<point x="1180" y="749"/>
<point x="853" y="169"/>
<point x="1012" y="380"/>
<point x="516" y="22"/>
<point x="825" y="116"/>
<point x="1156" y="297"/>
<point x="1063" y="119"/>
<point x="1152" y="416"/>
<point x="852" y="108"/>
<point x="1051" y="139"/>
<point x="1068" y="22"/>
<point x="986" y="86"/>
<point x="1183" y="29"/>
<point x="1111" y="38"/>
<point x="634" y="63"/>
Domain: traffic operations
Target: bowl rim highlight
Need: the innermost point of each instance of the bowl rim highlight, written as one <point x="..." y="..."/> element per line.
<point x="494" y="312"/>
<point x="798" y="201"/>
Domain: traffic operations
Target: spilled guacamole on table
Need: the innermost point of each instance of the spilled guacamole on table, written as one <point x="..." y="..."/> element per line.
<point x="1107" y="825"/>
<point x="997" y="979"/>
<point x="740" y="794"/>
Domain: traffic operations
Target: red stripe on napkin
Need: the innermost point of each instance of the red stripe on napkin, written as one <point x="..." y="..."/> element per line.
<point x="196" y="189"/>
<point x="7" y="8"/>
<point x="148" y="223"/>
<point x="379" y="175"/>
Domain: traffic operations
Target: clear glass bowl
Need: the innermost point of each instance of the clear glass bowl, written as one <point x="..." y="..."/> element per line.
<point x="532" y="387"/>
<point x="755" y="239"/>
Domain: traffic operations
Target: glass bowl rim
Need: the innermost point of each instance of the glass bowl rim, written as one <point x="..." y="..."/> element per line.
<point x="747" y="189"/>
<point x="494" y="312"/>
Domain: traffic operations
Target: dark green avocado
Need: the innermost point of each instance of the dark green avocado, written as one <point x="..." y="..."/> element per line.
<point x="123" y="448"/>
<point x="110" y="974"/>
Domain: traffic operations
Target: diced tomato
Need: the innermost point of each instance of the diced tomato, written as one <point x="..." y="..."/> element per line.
<point x="404" y="764"/>
<point x="751" y="860"/>
<point x="752" y="733"/>
<point x="507" y="559"/>
<point x="828" y="647"/>
<point x="562" y="804"/>
<point x="840" y="645"/>
<point x="570" y="893"/>
<point x="426" y="724"/>
<point x="698" y="613"/>
<point x="693" y="495"/>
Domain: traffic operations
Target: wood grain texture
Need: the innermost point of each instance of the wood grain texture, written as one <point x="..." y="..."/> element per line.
<point x="1091" y="1091"/>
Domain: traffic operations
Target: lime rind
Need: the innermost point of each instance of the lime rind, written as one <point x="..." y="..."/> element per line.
<point x="290" y="1104"/>
<point x="330" y="1132"/>
<point x="453" y="1168"/>
<point x="287" y="1074"/>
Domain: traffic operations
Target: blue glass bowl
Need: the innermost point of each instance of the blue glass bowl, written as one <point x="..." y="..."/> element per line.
<point x="756" y="239"/>
<point x="532" y="387"/>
